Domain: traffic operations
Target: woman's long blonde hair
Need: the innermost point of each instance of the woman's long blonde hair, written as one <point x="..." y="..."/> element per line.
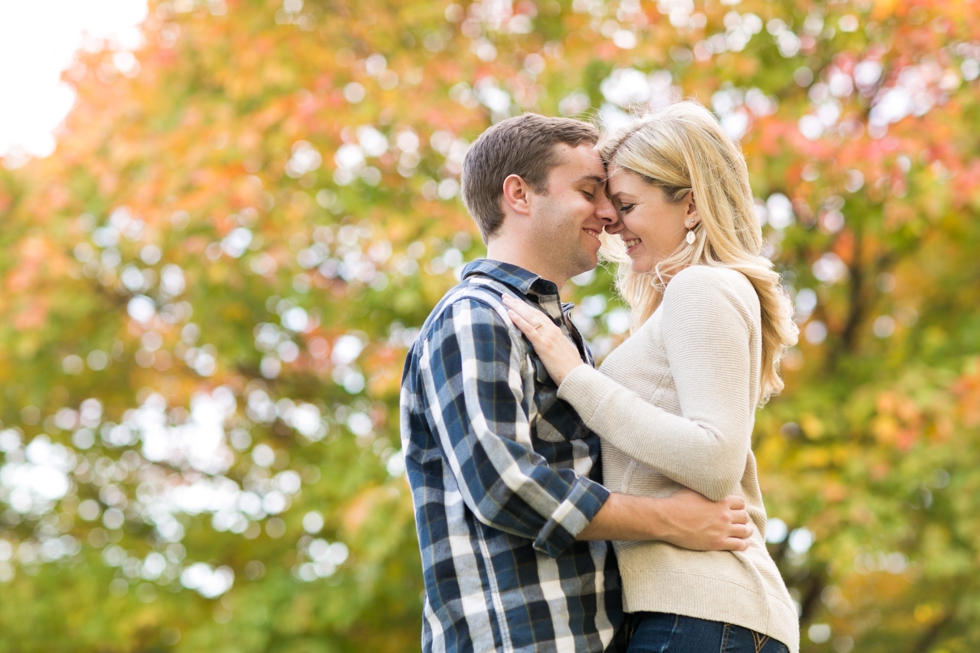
<point x="682" y="148"/>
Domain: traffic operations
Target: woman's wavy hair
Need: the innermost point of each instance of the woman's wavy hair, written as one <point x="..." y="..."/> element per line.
<point x="682" y="148"/>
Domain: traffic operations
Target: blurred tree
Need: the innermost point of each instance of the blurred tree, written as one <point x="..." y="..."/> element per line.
<point x="210" y="288"/>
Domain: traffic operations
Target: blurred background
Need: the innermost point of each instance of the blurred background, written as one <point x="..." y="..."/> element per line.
<point x="223" y="221"/>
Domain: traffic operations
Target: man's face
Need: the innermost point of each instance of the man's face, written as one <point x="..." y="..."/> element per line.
<point x="570" y="213"/>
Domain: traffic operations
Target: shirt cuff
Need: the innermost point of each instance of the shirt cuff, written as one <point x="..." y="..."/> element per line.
<point x="571" y="517"/>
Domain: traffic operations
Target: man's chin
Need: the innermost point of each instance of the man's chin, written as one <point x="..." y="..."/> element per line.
<point x="584" y="265"/>
<point x="576" y="262"/>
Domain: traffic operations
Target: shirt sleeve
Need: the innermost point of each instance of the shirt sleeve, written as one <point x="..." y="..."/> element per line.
<point x="472" y="383"/>
<point x="706" y="335"/>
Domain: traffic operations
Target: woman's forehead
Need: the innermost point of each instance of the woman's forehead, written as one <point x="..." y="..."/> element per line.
<point x="623" y="179"/>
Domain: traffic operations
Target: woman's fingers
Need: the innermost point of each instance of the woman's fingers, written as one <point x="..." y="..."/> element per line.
<point x="526" y="312"/>
<point x="556" y="351"/>
<point x="519" y="320"/>
<point x="522" y="324"/>
<point x="530" y="321"/>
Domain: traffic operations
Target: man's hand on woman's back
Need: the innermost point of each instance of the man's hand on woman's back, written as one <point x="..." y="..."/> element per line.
<point x="686" y="519"/>
<point x="697" y="523"/>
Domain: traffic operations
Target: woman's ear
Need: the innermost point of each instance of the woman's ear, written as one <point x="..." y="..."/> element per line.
<point x="515" y="195"/>
<point x="692" y="218"/>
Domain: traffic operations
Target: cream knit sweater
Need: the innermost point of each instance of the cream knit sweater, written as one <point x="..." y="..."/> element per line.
<point x="674" y="406"/>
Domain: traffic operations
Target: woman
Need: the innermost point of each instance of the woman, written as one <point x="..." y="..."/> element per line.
<point x="675" y="403"/>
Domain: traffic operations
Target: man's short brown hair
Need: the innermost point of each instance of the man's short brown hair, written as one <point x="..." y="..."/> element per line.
<point x="523" y="146"/>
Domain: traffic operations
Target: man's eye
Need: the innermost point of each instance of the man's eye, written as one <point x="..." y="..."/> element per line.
<point x="588" y="194"/>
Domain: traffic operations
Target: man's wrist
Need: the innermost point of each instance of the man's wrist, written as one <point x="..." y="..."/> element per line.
<point x="630" y="518"/>
<point x="658" y="522"/>
<point x="663" y="525"/>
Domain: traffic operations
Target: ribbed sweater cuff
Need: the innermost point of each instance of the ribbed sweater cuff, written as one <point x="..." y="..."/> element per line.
<point x="582" y="388"/>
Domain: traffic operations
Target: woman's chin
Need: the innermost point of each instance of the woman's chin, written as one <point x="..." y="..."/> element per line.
<point x="641" y="267"/>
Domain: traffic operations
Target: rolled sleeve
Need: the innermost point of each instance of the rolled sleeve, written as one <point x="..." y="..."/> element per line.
<point x="476" y="393"/>
<point x="571" y="517"/>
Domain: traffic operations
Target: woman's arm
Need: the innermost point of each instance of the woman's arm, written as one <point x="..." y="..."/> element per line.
<point x="706" y="332"/>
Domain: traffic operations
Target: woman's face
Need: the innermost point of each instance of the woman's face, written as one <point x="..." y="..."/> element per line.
<point x="651" y="227"/>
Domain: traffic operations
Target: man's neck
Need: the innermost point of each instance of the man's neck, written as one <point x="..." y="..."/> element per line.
<point x="505" y="252"/>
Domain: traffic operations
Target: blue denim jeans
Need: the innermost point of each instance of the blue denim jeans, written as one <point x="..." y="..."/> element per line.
<point x="656" y="632"/>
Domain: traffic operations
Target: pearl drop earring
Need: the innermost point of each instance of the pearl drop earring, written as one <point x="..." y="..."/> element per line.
<point x="690" y="238"/>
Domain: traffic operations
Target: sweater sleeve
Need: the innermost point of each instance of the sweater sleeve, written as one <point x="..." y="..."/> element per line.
<point x="705" y="327"/>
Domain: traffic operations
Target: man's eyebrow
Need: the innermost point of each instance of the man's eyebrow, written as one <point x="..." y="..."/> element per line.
<point x="595" y="179"/>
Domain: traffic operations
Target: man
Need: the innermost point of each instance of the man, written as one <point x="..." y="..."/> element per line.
<point x="512" y="519"/>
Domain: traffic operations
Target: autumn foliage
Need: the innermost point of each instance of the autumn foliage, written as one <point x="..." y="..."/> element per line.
<point x="210" y="286"/>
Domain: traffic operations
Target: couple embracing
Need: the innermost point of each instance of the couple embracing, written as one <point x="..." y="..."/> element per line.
<point x="564" y="508"/>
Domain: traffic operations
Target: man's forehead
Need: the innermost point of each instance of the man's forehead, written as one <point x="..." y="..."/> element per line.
<point x="582" y="161"/>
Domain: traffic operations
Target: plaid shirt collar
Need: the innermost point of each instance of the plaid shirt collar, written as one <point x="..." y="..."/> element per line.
<point x="516" y="277"/>
<point x="538" y="290"/>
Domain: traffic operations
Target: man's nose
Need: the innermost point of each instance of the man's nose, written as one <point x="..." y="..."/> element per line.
<point x="606" y="212"/>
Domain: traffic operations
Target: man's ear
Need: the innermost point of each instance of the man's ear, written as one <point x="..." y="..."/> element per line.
<point x="515" y="195"/>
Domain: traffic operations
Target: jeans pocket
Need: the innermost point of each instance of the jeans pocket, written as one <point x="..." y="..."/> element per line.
<point x="736" y="639"/>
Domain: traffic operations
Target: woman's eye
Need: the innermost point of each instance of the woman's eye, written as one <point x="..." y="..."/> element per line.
<point x="626" y="208"/>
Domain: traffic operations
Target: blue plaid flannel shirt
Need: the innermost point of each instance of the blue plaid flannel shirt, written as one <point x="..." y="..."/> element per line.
<point x="504" y="475"/>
